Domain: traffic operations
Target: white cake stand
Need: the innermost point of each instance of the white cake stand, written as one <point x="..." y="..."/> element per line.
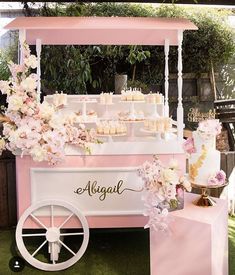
<point x="88" y="119"/>
<point x="132" y="103"/>
<point x="84" y="106"/>
<point x="155" y="112"/>
<point x="131" y="124"/>
<point x="106" y="112"/>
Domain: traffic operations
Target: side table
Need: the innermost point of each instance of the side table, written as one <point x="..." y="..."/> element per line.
<point x="198" y="244"/>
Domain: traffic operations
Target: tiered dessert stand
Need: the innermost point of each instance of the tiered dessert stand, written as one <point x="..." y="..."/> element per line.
<point x="106" y="110"/>
<point x="84" y="110"/>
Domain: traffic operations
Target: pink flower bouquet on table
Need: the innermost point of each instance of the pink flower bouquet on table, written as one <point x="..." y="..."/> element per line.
<point x="163" y="191"/>
<point x="34" y="128"/>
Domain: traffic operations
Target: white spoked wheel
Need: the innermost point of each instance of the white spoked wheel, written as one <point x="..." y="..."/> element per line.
<point x="51" y="231"/>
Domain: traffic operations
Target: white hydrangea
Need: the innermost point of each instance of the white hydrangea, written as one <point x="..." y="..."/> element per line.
<point x="29" y="84"/>
<point x="31" y="61"/>
<point x="170" y="176"/>
<point x="46" y="110"/>
<point x="38" y="153"/>
<point x="56" y="122"/>
<point x="4" y="87"/>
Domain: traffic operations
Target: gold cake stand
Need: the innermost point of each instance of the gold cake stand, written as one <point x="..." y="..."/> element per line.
<point x="205" y="200"/>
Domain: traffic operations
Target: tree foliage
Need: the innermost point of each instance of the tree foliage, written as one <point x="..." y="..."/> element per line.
<point x="78" y="69"/>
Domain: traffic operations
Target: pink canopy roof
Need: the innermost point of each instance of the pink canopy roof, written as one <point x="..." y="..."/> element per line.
<point x="100" y="30"/>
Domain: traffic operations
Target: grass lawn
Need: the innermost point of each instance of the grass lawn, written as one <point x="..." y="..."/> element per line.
<point x="231" y="236"/>
<point x="110" y="252"/>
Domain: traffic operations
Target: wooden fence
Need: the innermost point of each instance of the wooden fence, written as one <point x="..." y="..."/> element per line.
<point x="8" y="186"/>
<point x="7" y="191"/>
<point x="227" y="164"/>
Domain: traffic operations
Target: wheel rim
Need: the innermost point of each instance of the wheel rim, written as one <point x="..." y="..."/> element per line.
<point x="52" y="236"/>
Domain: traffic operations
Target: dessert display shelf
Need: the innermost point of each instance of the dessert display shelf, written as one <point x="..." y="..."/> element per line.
<point x="132" y="115"/>
<point x="165" y="135"/>
<point x="110" y="136"/>
<point x="118" y="110"/>
<point x="101" y="189"/>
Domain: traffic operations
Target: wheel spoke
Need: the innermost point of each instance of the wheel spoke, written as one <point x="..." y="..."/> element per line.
<point x="69" y="217"/>
<point x="53" y="252"/>
<point x="72" y="234"/>
<point x="34" y="235"/>
<point x="52" y="216"/>
<point x="36" y="251"/>
<point x="38" y="221"/>
<point x="71" y="251"/>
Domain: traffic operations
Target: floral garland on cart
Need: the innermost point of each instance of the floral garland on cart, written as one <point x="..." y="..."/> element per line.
<point x="34" y="128"/>
<point x="163" y="191"/>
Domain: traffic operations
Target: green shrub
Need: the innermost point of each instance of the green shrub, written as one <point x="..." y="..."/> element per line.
<point x="4" y="70"/>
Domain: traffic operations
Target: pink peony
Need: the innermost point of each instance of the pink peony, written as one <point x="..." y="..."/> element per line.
<point x="188" y="146"/>
<point x="221" y="177"/>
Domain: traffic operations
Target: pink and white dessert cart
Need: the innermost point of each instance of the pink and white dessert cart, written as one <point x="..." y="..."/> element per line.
<point x="101" y="190"/>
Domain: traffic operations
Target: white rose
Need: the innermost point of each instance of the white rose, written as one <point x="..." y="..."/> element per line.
<point x="15" y="102"/>
<point x="29" y="84"/>
<point x="4" y="87"/>
<point x="31" y="61"/>
<point x="173" y="164"/>
<point x="70" y="118"/>
<point x="14" y="137"/>
<point x="38" y="153"/>
<point x="46" y="110"/>
<point x="170" y="176"/>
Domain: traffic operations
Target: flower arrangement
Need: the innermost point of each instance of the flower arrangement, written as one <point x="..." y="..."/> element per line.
<point x="35" y="128"/>
<point x="218" y="178"/>
<point x="163" y="191"/>
<point x="209" y="128"/>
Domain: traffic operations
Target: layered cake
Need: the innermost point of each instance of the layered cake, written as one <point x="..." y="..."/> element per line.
<point x="204" y="159"/>
<point x="111" y="128"/>
<point x="106" y="98"/>
<point x="162" y="124"/>
<point x="132" y="95"/>
<point x="155" y="98"/>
